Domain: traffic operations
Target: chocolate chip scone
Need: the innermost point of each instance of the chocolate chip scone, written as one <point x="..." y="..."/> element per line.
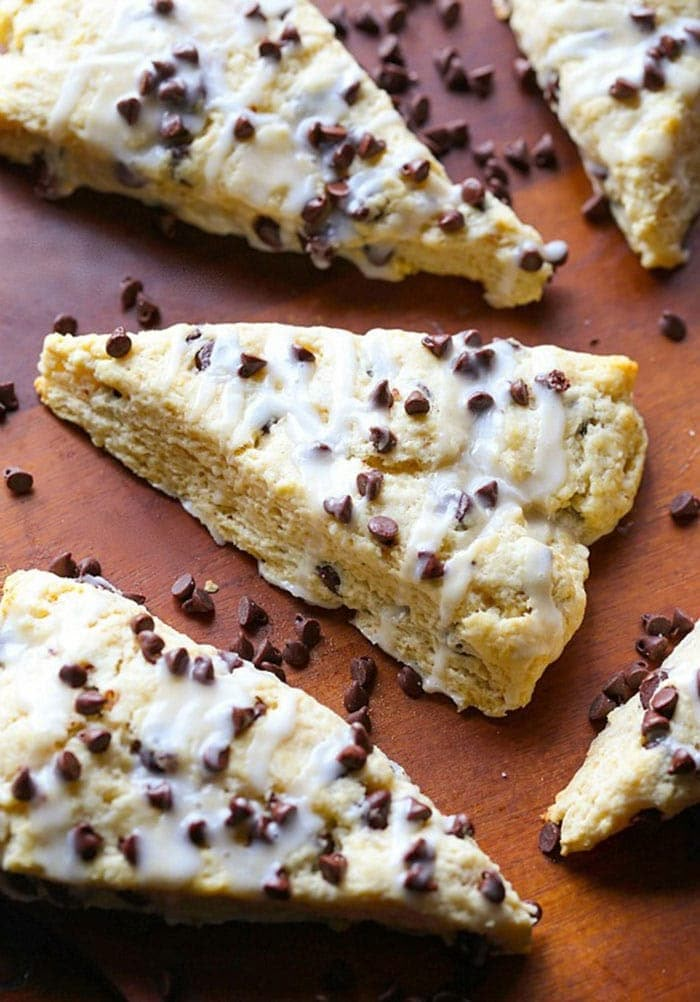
<point x="248" y="119"/>
<point x="646" y="758"/>
<point x="443" y="490"/>
<point x="138" y="768"/>
<point x="624" y="79"/>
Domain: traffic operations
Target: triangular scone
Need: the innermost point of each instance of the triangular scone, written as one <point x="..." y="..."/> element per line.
<point x="137" y="767"/>
<point x="441" y="489"/>
<point x="647" y="757"/>
<point x="249" y="119"/>
<point x="624" y="79"/>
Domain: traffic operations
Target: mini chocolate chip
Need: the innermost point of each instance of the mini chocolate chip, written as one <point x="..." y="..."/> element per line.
<point x="270" y="49"/>
<point x="200" y="603"/>
<point x="682" y="624"/>
<point x="416" y="403"/>
<point x="664" y="701"/>
<point x="416" y="811"/>
<point x="419" y="852"/>
<point x="64" y="566"/>
<point x="518" y="155"/>
<point x="361" y="736"/>
<point x="267" y="652"/>
<point x="329" y="576"/>
<point x="617" y="688"/>
<point x="596" y="209"/>
<point x="160" y="795"/>
<point x="481" y="79"/>
<point x="187" y="53"/>
<point x="129" y="108"/>
<point x="268" y="232"/>
<point x="243" y="128"/>
<point x="279" y="887"/>
<point x="419" y="110"/>
<point x="384" y="529"/>
<point x="90" y="702"/>
<point x="203" y="670"/>
<point x="464" y="505"/>
<point x="377" y="807"/>
<point x="352" y="757"/>
<point x="173" y="129"/>
<point x="383" y="439"/>
<point x="671" y="47"/>
<point x="202" y="358"/>
<point x="163" y="7"/>
<point x="243" y="647"/>
<point x="549" y="840"/>
<point x="177" y="661"/>
<point x="343" y="156"/>
<point x="255" y="12"/>
<point x="151" y="645"/>
<point x="525" y="73"/>
<point x="216" y="759"/>
<point x="147" y="313"/>
<point x="520" y="393"/>
<point x="370" y="147"/>
<point x="363" y="670"/>
<point x="420" y="877"/>
<point x="355" y="697"/>
<point x="197" y="833"/>
<point x="488" y="494"/>
<point x="251" y="616"/>
<point x="118" y="344"/>
<point x="684" y="508"/>
<point x="89" y="566"/>
<point x="333" y="867"/>
<point x="182" y="587"/>
<point x="140" y="622"/>
<point x="308" y="630"/>
<point x="64" y="323"/>
<point x="654" y="649"/>
<point x="456" y="78"/>
<point x="653" y="722"/>
<point x="240" y="810"/>
<point x="460" y="826"/>
<point x="369" y="484"/>
<point x="656" y="625"/>
<point x="416" y="170"/>
<point x="622" y="89"/>
<point x="437" y="344"/>
<point x="682" y="761"/>
<point x="86" y="841"/>
<point x="451" y="222"/>
<point x="653" y="77"/>
<point x="431" y="567"/>
<point x="410" y="682"/>
<point x="649" y="686"/>
<point x="250" y="364"/>
<point x="530" y="258"/>
<point x="340" y="508"/>
<point x="96" y="739"/>
<point x="147" y="83"/>
<point x="543" y="152"/>
<point x="466" y="364"/>
<point x="381" y="395"/>
<point x="243" y="717"/>
<point x="18" y="481"/>
<point x="68" y="766"/>
<point x="480" y="402"/>
<point x="295" y="654"/>
<point x="230" y="659"/>
<point x="73" y="675"/>
<point x="23" y="786"/>
<point x="555" y="380"/>
<point x="361" y="717"/>
<point x="599" y="709"/>
<point x="672" y="326"/>
<point x="644" y="17"/>
<point x="635" y="674"/>
<point x="492" y="887"/>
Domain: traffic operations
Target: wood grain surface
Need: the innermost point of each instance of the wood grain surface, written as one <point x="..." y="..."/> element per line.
<point x="621" y="922"/>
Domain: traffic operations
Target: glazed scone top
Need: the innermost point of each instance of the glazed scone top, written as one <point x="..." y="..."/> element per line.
<point x="251" y="128"/>
<point x="202" y="775"/>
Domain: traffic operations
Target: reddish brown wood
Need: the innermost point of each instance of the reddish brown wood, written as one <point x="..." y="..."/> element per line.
<point x="620" y="923"/>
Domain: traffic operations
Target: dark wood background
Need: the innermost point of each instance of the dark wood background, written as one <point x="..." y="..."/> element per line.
<point x="620" y="923"/>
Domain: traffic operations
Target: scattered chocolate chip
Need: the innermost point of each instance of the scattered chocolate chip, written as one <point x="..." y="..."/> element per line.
<point x="383" y="439"/>
<point x="23" y="786"/>
<point x="456" y="78"/>
<point x="230" y="659"/>
<point x="18" y="481"/>
<point x="267" y="652"/>
<point x="68" y="766"/>
<point x="653" y="723"/>
<point x="488" y="494"/>
<point x="355" y="697"/>
<point x="377" y="807"/>
<point x="481" y="79"/>
<point x="329" y="576"/>
<point x="250" y="364"/>
<point x="410" y="682"/>
<point x="90" y="702"/>
<point x="8" y="398"/>
<point x="197" y="833"/>
<point x="681" y="625"/>
<point x="343" y="156"/>
<point x="160" y="795"/>
<point x="654" y="649"/>
<point x="617" y="688"/>
<point x="530" y="257"/>
<point x="352" y="757"/>
<point x="518" y="155"/>
<point x="363" y="671"/>
<point x="200" y="603"/>
<point x="333" y="867"/>
<point x="351" y="93"/>
<point x="599" y="709"/>
<point x="419" y="110"/>
<point x="118" y="344"/>
<point x="622" y="89"/>
<point x="279" y="887"/>
<point x="177" y="661"/>
<point x="635" y="674"/>
<point x="86" y="841"/>
<point x="203" y="670"/>
<point x="240" y="810"/>
<point x="243" y="128"/>
<point x="140" y="622"/>
<point x="96" y="739"/>
<point x="596" y="209"/>
<point x="270" y="49"/>
<point x="525" y="74"/>
<point x="420" y="877"/>
<point x="151" y="645"/>
<point x="381" y="396"/>
<point x="555" y="380"/>
<point x="492" y="887"/>
<point x="466" y="364"/>
<point x="656" y="625"/>
<point x="480" y="402"/>
<point x="416" y="811"/>
<point x="649" y="686"/>
<point x="251" y="616"/>
<point x="360" y="717"/>
<point x="64" y="566"/>
<point x="74" y="676"/>
<point x="273" y="669"/>
<point x="451" y="222"/>
<point x="416" y="170"/>
<point x="183" y="587"/>
<point x="682" y="761"/>
<point x="173" y="129"/>
<point x="664" y="701"/>
<point x="89" y="567"/>
<point x="460" y="826"/>
<point x="653" y="77"/>
<point x="129" y="108"/>
<point x="684" y="508"/>
<point x="308" y="630"/>
<point x="147" y="313"/>
<point x="64" y="323"/>
<point x="389" y="50"/>
<point x="520" y="393"/>
<point x="549" y="840"/>
<point x="431" y="567"/>
<point x="295" y="654"/>
<point x="671" y="47"/>
<point x="672" y="326"/>
<point x="243" y="717"/>
<point x="384" y="529"/>
<point x="216" y="759"/>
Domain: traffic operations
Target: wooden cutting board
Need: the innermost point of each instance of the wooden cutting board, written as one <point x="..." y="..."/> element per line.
<point x="620" y="923"/>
